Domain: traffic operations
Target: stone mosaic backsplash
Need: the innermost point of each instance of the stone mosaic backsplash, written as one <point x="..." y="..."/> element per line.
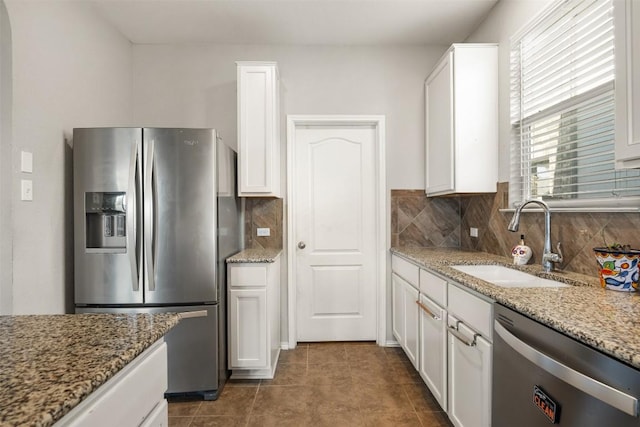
<point x="451" y="218"/>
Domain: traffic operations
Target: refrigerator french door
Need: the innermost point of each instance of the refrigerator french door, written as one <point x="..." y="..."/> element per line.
<point x="146" y="203"/>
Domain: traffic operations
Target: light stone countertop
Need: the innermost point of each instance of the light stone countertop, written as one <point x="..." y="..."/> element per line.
<point x="255" y="256"/>
<point x="604" y="319"/>
<point x="50" y="363"/>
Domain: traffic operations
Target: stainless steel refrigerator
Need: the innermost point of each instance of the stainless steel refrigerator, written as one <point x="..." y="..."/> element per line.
<point x="155" y="216"/>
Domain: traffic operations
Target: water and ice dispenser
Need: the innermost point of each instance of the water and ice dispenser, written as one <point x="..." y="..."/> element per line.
<point x="106" y="216"/>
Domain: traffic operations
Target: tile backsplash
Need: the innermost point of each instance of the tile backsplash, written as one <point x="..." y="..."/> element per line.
<point x="419" y="221"/>
<point x="451" y="218"/>
<point x="262" y="212"/>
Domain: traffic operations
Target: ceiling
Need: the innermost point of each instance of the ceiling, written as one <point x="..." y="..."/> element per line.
<point x="296" y="22"/>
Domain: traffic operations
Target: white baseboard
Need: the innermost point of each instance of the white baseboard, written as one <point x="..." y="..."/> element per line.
<point x="392" y="343"/>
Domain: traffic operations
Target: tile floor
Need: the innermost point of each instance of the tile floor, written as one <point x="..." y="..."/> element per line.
<point x="323" y="384"/>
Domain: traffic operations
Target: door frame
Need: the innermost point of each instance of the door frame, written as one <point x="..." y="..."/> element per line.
<point x="378" y="122"/>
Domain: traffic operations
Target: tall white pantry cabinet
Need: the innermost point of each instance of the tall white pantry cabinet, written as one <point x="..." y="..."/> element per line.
<point x="259" y="159"/>
<point x="461" y="121"/>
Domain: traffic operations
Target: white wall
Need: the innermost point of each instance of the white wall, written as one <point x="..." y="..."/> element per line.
<point x="505" y="19"/>
<point x="70" y="69"/>
<point x="6" y="233"/>
<point x="196" y="86"/>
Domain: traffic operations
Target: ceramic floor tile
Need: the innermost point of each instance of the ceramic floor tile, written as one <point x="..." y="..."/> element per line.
<point x="392" y="419"/>
<point x="219" y="421"/>
<point x="282" y="401"/>
<point x="297" y="355"/>
<point x="337" y="419"/>
<point x="327" y="353"/>
<point x="376" y="398"/>
<point x="377" y="372"/>
<point x="334" y="399"/>
<point x="280" y="420"/>
<point x="421" y="398"/>
<point x="179" y="421"/>
<point x="242" y="383"/>
<point x="289" y="374"/>
<point x="183" y="409"/>
<point x="232" y="401"/>
<point x="329" y="373"/>
<point x="434" y="419"/>
<point x="351" y="384"/>
<point x="362" y="353"/>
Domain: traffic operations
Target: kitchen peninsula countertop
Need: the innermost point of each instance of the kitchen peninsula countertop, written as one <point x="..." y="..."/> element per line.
<point x="255" y="255"/>
<point x="604" y="319"/>
<point x="50" y="363"/>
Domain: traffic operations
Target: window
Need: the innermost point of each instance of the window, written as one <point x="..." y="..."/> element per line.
<point x="562" y="110"/>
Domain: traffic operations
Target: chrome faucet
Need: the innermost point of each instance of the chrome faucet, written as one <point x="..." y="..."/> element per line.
<point x="548" y="257"/>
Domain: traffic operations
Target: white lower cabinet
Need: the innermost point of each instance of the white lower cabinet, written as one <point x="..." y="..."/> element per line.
<point x="405" y="317"/>
<point x="247" y="308"/>
<point x="132" y="397"/>
<point x="253" y="319"/>
<point x="433" y="349"/>
<point x="448" y="337"/>
<point x="469" y="377"/>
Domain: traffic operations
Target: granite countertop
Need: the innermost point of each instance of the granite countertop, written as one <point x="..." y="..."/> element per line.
<point x="50" y="363"/>
<point x="604" y="319"/>
<point x="255" y="255"/>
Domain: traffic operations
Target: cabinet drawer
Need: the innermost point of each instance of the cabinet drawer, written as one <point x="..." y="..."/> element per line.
<point x="434" y="287"/>
<point x="244" y="276"/>
<point x="406" y="270"/>
<point x="473" y="311"/>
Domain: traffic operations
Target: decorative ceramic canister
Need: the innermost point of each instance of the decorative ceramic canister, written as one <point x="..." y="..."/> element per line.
<point x="521" y="253"/>
<point x="618" y="270"/>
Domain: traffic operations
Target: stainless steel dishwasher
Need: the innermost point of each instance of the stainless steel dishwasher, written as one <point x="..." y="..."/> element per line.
<point x="542" y="377"/>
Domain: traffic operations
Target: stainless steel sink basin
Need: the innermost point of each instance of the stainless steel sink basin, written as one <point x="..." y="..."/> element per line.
<point x="507" y="277"/>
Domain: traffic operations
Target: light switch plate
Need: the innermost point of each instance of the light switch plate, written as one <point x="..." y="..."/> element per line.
<point x="26" y="162"/>
<point x="26" y="189"/>
<point x="263" y="232"/>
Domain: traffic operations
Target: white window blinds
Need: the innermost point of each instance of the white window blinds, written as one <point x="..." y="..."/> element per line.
<point x="562" y="109"/>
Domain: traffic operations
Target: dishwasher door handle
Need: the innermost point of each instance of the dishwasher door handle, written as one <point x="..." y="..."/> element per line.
<point x="611" y="396"/>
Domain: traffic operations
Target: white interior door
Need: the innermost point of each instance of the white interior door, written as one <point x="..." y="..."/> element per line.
<point x="335" y="232"/>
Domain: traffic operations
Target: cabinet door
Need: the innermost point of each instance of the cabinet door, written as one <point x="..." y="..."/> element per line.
<point x="439" y="129"/>
<point x="469" y="379"/>
<point x="627" y="44"/>
<point x="405" y="316"/>
<point x="397" y="297"/>
<point x="248" y="328"/>
<point x="411" y="323"/>
<point x="433" y="349"/>
<point x="258" y="130"/>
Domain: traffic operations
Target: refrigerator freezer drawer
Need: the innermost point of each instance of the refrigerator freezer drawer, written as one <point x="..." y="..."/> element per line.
<point x="192" y="347"/>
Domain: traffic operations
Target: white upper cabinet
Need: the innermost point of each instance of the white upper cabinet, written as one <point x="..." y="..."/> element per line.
<point x="462" y="121"/>
<point x="627" y="45"/>
<point x="258" y="130"/>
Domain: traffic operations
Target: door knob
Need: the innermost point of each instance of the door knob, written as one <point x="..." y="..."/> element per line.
<point x="301" y="245"/>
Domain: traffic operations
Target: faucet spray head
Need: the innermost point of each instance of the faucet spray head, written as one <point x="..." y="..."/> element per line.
<point x="514" y="224"/>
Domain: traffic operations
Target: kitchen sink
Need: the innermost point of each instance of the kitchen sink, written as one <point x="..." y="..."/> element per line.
<point x="507" y="277"/>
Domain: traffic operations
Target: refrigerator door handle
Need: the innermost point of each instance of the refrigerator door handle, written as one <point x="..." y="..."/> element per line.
<point x="193" y="314"/>
<point x="149" y="213"/>
<point x="131" y="218"/>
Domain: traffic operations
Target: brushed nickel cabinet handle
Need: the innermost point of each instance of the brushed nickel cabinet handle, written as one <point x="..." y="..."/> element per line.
<point x="426" y="310"/>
